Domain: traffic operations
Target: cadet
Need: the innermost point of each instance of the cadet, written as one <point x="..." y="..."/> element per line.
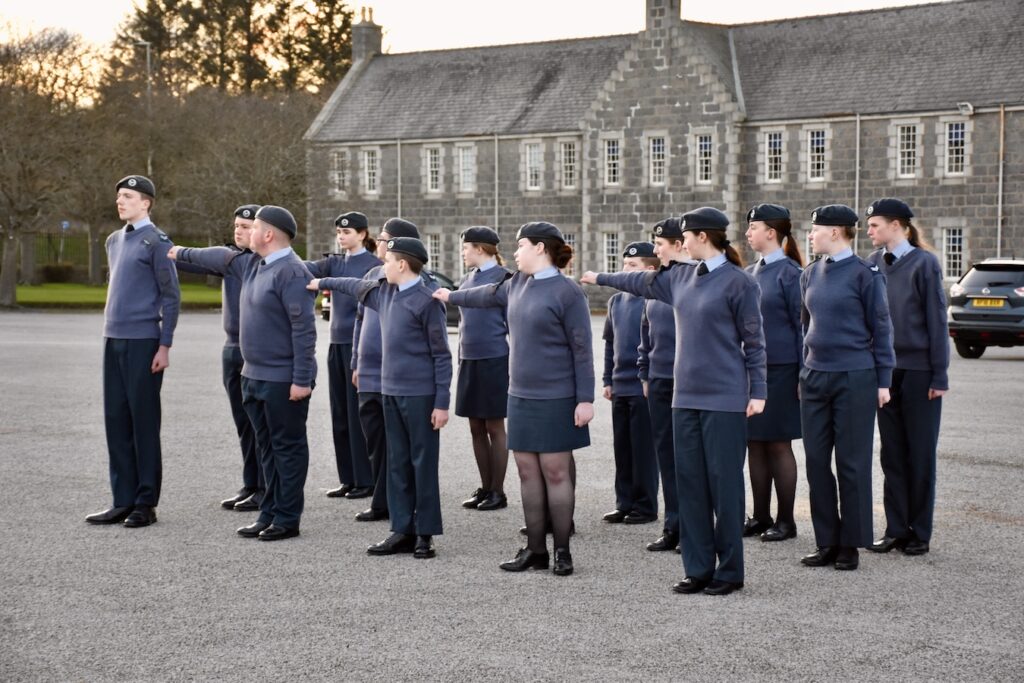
<point x="657" y="352"/>
<point x="139" y="320"/>
<point x="636" y="468"/>
<point x="770" y="434"/>
<point x="909" y="423"/>
<point x="719" y="383"/>
<point x="416" y="375"/>
<point x="848" y="362"/>
<point x="250" y="495"/>
<point x="482" y="393"/>
<point x="551" y="385"/>
<point x="354" y="471"/>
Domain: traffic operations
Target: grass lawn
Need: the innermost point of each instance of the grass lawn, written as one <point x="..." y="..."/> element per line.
<point x="68" y="295"/>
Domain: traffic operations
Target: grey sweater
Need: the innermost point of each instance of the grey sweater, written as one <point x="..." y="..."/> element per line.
<point x="143" y="297"/>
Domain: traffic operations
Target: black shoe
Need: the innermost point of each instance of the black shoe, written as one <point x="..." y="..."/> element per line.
<point x="393" y="544"/>
<point x="690" y="585"/>
<point x="253" y="530"/>
<point x="667" y="541"/>
<point x="277" y="533"/>
<point x="493" y="501"/>
<point x="424" y="549"/>
<point x="780" y="531"/>
<point x="371" y="515"/>
<point x="114" y="515"/>
<point x="340" y="491"/>
<point x="243" y="493"/>
<point x="478" y="497"/>
<point x="820" y="557"/>
<point x="847" y="559"/>
<point x="142" y="515"/>
<point x="360" y="492"/>
<point x="717" y="587"/>
<point x="887" y="543"/>
<point x="615" y="516"/>
<point x="250" y="504"/>
<point x="637" y="518"/>
<point x="916" y="547"/>
<point x="752" y="527"/>
<point x="563" y="562"/>
<point x="526" y="559"/>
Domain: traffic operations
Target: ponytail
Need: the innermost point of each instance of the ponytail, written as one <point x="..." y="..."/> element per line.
<point x="369" y="243"/>
<point x="719" y="241"/>
<point x="559" y="252"/>
<point x="914" y="235"/>
<point x="784" y="232"/>
<point x="490" y="250"/>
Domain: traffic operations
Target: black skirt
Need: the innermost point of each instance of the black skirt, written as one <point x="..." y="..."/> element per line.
<point x="544" y="426"/>
<point x="482" y="390"/>
<point x="780" y="420"/>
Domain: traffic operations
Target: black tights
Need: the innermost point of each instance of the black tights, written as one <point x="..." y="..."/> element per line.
<point x="490" y="447"/>
<point x="548" y="488"/>
<point x="772" y="461"/>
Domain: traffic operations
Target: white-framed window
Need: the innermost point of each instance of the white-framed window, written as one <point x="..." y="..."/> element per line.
<point x="956" y="148"/>
<point x="952" y="252"/>
<point x="817" y="159"/>
<point x="773" y="156"/>
<point x="466" y="161"/>
<point x="569" y="163"/>
<point x="610" y="251"/>
<point x="570" y="239"/>
<point x="371" y="171"/>
<point x="612" y="161"/>
<point x="336" y="176"/>
<point x="434" y="250"/>
<point x="704" y="158"/>
<point x="657" y="156"/>
<point x="433" y="168"/>
<point x="906" y="150"/>
<point x="534" y="154"/>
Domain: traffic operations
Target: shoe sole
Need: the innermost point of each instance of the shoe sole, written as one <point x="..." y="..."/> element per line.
<point x="277" y="538"/>
<point x="561" y="572"/>
<point x="424" y="556"/>
<point x="138" y="525"/>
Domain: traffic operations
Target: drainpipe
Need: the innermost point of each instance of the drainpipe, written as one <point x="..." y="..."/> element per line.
<point x="496" y="181"/>
<point x="856" y="181"/>
<point x="398" y="144"/>
<point x="999" y="191"/>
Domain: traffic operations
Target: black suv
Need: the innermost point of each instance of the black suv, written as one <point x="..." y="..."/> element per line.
<point x="986" y="307"/>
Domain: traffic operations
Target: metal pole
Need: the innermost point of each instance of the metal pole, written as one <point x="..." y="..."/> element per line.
<point x="149" y="104"/>
<point x="999" y="191"/>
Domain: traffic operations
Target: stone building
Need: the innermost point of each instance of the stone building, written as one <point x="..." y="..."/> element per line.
<point x="605" y="136"/>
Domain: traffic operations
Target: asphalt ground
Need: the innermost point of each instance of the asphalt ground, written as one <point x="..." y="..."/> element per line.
<point x="187" y="599"/>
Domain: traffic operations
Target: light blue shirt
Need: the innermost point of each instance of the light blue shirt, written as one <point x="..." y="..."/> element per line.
<point x="357" y="252"/>
<point x="845" y="253"/>
<point x="550" y="271"/>
<point x="902" y="249"/>
<point x="408" y="285"/>
<point x="277" y="255"/>
<point x="776" y="255"/>
<point x="488" y="265"/>
<point x="715" y="262"/>
<point x="142" y="222"/>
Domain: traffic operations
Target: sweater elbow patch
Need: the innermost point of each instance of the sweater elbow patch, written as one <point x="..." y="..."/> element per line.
<point x="295" y="311"/>
<point x="752" y="325"/>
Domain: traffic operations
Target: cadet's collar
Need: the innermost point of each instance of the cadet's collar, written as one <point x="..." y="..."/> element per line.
<point x="902" y="249"/>
<point x="550" y="271"/>
<point x="277" y="255"/>
<point x="408" y="285"/>
<point x="135" y="225"/>
<point x="488" y="264"/>
<point x="776" y="255"/>
<point x="715" y="262"/>
<point x="844" y="254"/>
<point x="357" y="252"/>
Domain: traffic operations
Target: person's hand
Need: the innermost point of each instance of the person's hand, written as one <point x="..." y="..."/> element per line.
<point x="936" y="393"/>
<point x="438" y="418"/>
<point x="297" y="393"/>
<point x="173" y="253"/>
<point x="442" y="294"/>
<point x="588" y="278"/>
<point x="162" y="360"/>
<point x="355" y="379"/>
<point x="645" y="388"/>
<point x="313" y="284"/>
<point x="584" y="414"/>
<point x="607" y="393"/>
<point x="755" y="406"/>
<point x="883" y="397"/>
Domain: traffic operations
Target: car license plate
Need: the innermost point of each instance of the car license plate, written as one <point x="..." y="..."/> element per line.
<point x="987" y="303"/>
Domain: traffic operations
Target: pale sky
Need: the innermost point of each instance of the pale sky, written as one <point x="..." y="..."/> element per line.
<point x="411" y="25"/>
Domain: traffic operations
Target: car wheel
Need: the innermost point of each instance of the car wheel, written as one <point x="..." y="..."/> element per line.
<point x="969" y="350"/>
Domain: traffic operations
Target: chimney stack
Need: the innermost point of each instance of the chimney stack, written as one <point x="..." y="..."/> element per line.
<point x="366" y="36"/>
<point x="663" y="14"/>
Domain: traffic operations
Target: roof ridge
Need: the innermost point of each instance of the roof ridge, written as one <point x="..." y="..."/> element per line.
<point x="877" y="10"/>
<point x="578" y="39"/>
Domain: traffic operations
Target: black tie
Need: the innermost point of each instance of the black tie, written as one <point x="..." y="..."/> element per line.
<point x="762" y="263"/>
<point x="129" y="227"/>
<point x="829" y="259"/>
<point x="702" y="269"/>
<point x="890" y="258"/>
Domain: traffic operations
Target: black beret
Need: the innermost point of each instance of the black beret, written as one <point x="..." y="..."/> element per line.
<point x="704" y="218"/>
<point x="408" y="245"/>
<point x="540" y="229"/>
<point x="139" y="183"/>
<point x="639" y="249"/>
<point x="399" y="227"/>
<point x="352" y="219"/>
<point x="247" y="211"/>
<point x="834" y="214"/>
<point x="480" y="234"/>
<point x="890" y="208"/>
<point x="279" y="217"/>
<point x="668" y="227"/>
<point x="768" y="212"/>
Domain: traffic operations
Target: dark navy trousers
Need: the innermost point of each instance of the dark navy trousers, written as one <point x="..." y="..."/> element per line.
<point x="414" y="500"/>
<point x="636" y="468"/>
<point x="838" y="412"/>
<point x="710" y="449"/>
<point x="349" y="442"/>
<point x="280" y="428"/>
<point x="909" y="428"/>
<point x="659" y="402"/>
<point x="131" y="412"/>
<point x="231" y="366"/>
<point x="371" y="417"/>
